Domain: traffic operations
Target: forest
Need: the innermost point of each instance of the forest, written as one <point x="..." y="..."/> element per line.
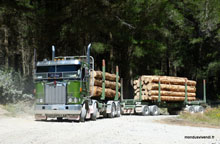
<point x="143" y="37"/>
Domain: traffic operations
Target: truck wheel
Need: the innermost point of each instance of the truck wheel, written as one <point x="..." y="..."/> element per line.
<point x="95" y="111"/>
<point x="145" y="110"/>
<point x="118" y="110"/>
<point x="83" y="114"/>
<point x="191" y="109"/>
<point x="199" y="109"/>
<point x="113" y="110"/>
<point x="154" y="110"/>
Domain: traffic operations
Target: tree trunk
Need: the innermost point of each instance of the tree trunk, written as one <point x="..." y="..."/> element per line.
<point x="6" y="47"/>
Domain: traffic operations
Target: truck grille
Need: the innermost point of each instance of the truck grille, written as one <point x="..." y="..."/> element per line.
<point x="55" y="94"/>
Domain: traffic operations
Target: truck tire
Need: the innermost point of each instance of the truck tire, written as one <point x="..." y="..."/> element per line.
<point x="118" y="110"/>
<point x="83" y="113"/>
<point x="199" y="109"/>
<point x="154" y="110"/>
<point x="145" y="111"/>
<point x="113" y="111"/>
<point x="95" y="111"/>
<point x="191" y="109"/>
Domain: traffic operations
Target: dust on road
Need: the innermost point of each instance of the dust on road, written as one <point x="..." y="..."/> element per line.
<point x="123" y="130"/>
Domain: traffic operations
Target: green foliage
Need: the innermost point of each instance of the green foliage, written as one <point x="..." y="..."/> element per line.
<point x="11" y="87"/>
<point x="213" y="68"/>
<point x="99" y="48"/>
<point x="159" y="37"/>
<point x="211" y="116"/>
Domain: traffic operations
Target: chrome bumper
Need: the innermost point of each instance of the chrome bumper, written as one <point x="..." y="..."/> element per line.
<point x="58" y="109"/>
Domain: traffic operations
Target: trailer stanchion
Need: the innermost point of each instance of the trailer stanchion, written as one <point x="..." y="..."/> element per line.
<point x="116" y="95"/>
<point x="186" y="96"/>
<point x="159" y="95"/>
<point x="204" y="91"/>
<point x="140" y="92"/>
<point x="122" y="98"/>
<point x="103" y="80"/>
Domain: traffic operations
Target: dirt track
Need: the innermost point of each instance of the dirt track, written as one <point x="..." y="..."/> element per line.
<point x="123" y="130"/>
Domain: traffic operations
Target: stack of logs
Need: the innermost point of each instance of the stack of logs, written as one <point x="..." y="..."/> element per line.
<point x="110" y="84"/>
<point x="172" y="88"/>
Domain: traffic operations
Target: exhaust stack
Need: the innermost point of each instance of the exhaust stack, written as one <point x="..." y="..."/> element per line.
<point x="88" y="54"/>
<point x="53" y="52"/>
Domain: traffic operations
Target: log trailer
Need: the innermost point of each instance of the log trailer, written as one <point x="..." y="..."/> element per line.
<point x="151" y="107"/>
<point x="63" y="89"/>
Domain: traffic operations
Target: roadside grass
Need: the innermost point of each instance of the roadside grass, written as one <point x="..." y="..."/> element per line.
<point x="211" y="116"/>
<point x="20" y="108"/>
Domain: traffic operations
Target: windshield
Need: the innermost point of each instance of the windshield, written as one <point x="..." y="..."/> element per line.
<point x="43" y="69"/>
<point x="58" y="68"/>
<point x="67" y="68"/>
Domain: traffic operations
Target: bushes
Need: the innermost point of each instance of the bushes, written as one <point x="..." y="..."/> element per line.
<point x="12" y="87"/>
<point x="211" y="116"/>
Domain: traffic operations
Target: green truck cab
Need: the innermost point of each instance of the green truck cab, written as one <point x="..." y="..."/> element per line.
<point x="63" y="90"/>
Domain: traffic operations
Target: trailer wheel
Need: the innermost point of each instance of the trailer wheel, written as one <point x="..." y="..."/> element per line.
<point x="154" y="110"/>
<point x="118" y="110"/>
<point x="83" y="113"/>
<point x="191" y="109"/>
<point x="199" y="109"/>
<point x="113" y="110"/>
<point x="145" y="111"/>
<point x="95" y="111"/>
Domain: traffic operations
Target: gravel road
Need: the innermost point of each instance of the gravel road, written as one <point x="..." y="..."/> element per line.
<point x="123" y="130"/>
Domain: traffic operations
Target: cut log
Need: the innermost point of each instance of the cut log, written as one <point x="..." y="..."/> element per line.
<point x="111" y="77"/>
<point x="109" y="93"/>
<point x="137" y="82"/>
<point x="143" y="93"/>
<point x="165" y="80"/>
<point x="166" y="87"/>
<point x="108" y="76"/>
<point x="96" y="74"/>
<point x="172" y="98"/>
<point x="170" y="93"/>
<point x="174" y="81"/>
<point x="96" y="91"/>
<point x="144" y="97"/>
<point x="138" y="90"/>
<point x="108" y="84"/>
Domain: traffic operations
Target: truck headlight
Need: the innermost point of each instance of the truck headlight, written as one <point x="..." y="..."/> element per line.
<point x="70" y="100"/>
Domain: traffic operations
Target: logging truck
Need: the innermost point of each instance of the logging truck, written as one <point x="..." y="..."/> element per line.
<point x="65" y="88"/>
<point x="155" y="92"/>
